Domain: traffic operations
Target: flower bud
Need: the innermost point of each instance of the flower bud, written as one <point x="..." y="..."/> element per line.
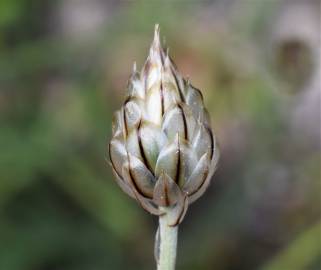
<point x="163" y="151"/>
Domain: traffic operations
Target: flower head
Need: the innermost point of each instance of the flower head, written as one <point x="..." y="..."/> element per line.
<point x="163" y="151"/>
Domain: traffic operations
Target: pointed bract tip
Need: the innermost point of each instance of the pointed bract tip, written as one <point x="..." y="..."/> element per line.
<point x="156" y="28"/>
<point x="167" y="59"/>
<point x="134" y="67"/>
<point x="156" y="34"/>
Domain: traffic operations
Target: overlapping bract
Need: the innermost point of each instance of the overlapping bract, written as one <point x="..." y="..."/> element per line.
<point x="163" y="152"/>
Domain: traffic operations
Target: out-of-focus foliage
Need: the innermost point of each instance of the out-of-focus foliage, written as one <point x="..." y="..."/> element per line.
<point x="63" y="71"/>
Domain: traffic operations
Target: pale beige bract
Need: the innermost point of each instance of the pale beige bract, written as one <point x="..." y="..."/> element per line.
<point x="163" y="151"/>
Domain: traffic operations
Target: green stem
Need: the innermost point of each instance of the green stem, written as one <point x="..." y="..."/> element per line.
<point x="167" y="245"/>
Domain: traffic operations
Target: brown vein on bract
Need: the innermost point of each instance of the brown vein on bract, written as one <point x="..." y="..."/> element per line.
<point x="161" y="54"/>
<point x="178" y="165"/>
<point x="165" y="193"/>
<point x="124" y="116"/>
<point x="112" y="163"/>
<point x="184" y="121"/>
<point x="133" y="180"/>
<point x="180" y="214"/>
<point x="141" y="149"/>
<point x="178" y="86"/>
<point x="146" y="71"/>
<point x="202" y="183"/>
<point x="198" y="91"/>
<point x="162" y="96"/>
<point x="212" y="140"/>
<point x="172" y="62"/>
<point x="146" y="208"/>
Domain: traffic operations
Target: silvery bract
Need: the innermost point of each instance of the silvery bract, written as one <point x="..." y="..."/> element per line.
<point x="163" y="152"/>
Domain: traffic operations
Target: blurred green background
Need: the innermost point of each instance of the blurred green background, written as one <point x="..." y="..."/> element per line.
<point x="64" y="66"/>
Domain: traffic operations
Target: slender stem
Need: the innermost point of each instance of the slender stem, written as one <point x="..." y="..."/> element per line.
<point x="167" y="245"/>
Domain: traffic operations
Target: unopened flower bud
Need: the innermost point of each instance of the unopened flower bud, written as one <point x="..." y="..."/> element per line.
<point x="163" y="151"/>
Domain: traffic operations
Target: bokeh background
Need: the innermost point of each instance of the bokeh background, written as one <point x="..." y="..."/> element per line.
<point x="64" y="66"/>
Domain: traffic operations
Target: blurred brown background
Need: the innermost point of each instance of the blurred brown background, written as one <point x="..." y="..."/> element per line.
<point x="63" y="71"/>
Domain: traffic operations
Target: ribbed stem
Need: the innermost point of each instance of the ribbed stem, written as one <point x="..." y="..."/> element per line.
<point x="167" y="245"/>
